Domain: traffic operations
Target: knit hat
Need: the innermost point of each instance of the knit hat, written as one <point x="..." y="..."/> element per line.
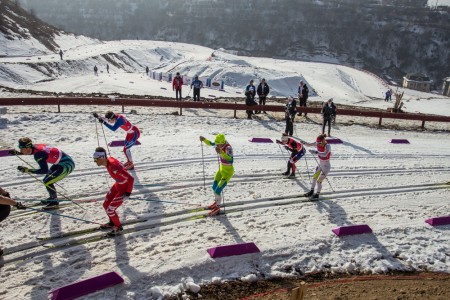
<point x="220" y="139"/>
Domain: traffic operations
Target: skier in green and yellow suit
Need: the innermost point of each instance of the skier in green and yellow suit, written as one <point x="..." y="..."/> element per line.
<point x="225" y="172"/>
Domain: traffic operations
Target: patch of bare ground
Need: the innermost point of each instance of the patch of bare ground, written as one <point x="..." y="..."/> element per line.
<point x="322" y="286"/>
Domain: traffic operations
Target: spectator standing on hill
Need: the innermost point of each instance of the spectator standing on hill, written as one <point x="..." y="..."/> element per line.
<point x="146" y="70"/>
<point x="95" y="70"/>
<point x="388" y="95"/>
<point x="61" y="53"/>
<point x="262" y="91"/>
<point x="5" y="207"/>
<point x="290" y="109"/>
<point x="250" y="93"/>
<point x="197" y="84"/>
<point x="303" y="93"/>
<point x="177" y="84"/>
<point x="107" y="68"/>
<point x="329" y="114"/>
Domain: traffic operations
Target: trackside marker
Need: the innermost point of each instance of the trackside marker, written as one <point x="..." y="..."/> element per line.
<point x="260" y="140"/>
<point x="437" y="221"/>
<point x="334" y="141"/>
<point x="352" y="229"/>
<point x="121" y="143"/>
<point x="230" y="250"/>
<point x="399" y="141"/>
<point x="87" y="286"/>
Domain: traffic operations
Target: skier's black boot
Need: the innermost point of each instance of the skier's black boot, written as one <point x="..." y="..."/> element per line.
<point x="309" y="194"/>
<point x="315" y="196"/>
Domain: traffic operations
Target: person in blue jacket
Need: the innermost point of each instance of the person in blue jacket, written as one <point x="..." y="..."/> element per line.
<point x="197" y="84"/>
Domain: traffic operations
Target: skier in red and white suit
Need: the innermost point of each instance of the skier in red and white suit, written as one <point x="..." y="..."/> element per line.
<point x="120" y="191"/>
<point x="323" y="152"/>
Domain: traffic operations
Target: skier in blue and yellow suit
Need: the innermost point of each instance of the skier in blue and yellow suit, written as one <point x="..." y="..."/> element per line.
<point x="225" y="172"/>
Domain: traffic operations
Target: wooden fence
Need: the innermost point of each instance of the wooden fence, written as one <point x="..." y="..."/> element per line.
<point x="213" y="105"/>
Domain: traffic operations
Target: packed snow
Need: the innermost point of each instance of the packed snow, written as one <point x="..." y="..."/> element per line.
<point x="391" y="187"/>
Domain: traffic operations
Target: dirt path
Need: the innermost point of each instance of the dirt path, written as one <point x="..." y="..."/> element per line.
<point x="431" y="286"/>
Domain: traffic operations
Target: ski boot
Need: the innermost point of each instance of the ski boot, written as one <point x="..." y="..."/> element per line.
<point x="115" y="231"/>
<point x="309" y="194"/>
<point x="108" y="225"/>
<point x="50" y="203"/>
<point x="315" y="196"/>
<point x="291" y="175"/>
<point x="214" y="211"/>
<point x="129" y="165"/>
<point x="285" y="173"/>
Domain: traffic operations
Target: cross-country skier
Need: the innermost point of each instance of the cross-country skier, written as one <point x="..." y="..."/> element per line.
<point x="120" y="191"/>
<point x="225" y="172"/>
<point x="133" y="133"/>
<point x="62" y="165"/>
<point x="5" y="207"/>
<point x="323" y="152"/>
<point x="297" y="151"/>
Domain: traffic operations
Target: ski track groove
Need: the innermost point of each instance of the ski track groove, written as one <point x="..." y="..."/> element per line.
<point x="193" y="214"/>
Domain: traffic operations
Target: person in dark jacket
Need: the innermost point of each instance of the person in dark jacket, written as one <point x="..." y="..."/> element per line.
<point x="329" y="114"/>
<point x="5" y="206"/>
<point x="197" y="84"/>
<point x="177" y="84"/>
<point x="250" y="92"/>
<point x="291" y="108"/>
<point x="262" y="91"/>
<point x="303" y="93"/>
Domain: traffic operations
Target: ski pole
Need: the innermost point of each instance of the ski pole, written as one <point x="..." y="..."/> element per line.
<point x="164" y="201"/>
<point x="65" y="216"/>
<point x="307" y="169"/>
<point x="325" y="177"/>
<point x="49" y="186"/>
<point x="55" y="191"/>
<point x="223" y="194"/>
<point x="203" y="163"/>
<point x="33" y="167"/>
<point x="106" y="142"/>
<point x="98" y="143"/>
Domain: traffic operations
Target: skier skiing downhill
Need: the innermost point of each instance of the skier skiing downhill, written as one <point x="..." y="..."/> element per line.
<point x="225" y="172"/>
<point x="297" y="151"/>
<point x="323" y="152"/>
<point x="120" y="191"/>
<point x="62" y="165"/>
<point x="133" y="133"/>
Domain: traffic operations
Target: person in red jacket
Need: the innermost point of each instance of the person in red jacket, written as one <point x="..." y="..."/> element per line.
<point x="177" y="83"/>
<point x="120" y="191"/>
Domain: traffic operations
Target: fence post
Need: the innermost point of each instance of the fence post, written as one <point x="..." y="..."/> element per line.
<point x="59" y="108"/>
<point x="235" y="110"/>
<point x="181" y="111"/>
<point x="423" y="124"/>
<point x="379" y="123"/>
<point x="123" y="108"/>
<point x="299" y="292"/>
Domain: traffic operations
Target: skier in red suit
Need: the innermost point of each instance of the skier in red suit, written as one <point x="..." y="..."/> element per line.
<point x="120" y="191"/>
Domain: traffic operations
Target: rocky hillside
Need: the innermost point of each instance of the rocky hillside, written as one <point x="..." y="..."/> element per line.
<point x="388" y="37"/>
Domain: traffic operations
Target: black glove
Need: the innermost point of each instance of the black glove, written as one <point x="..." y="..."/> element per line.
<point x="14" y="152"/>
<point x="95" y="115"/>
<point x="101" y="120"/>
<point x="23" y="169"/>
<point x="279" y="142"/>
<point x="19" y="205"/>
<point x="127" y="194"/>
<point x="287" y="148"/>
